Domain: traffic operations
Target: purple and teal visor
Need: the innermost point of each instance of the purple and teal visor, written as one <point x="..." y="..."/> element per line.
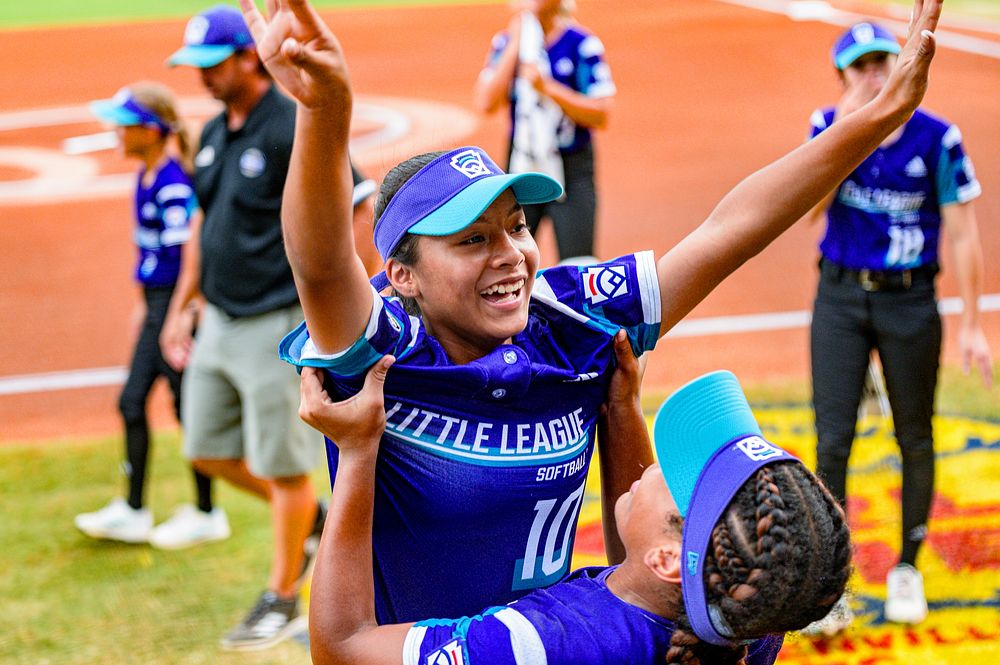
<point x="708" y="444"/>
<point x="125" y="111"/>
<point x="449" y="194"/>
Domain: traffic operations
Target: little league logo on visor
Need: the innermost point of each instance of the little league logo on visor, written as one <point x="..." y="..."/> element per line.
<point x="860" y="39"/>
<point x="125" y="111"/>
<point x="449" y="194"/>
<point x="211" y="37"/>
<point x="709" y="444"/>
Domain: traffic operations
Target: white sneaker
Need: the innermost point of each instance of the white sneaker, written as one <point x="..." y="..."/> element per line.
<point x="117" y="521"/>
<point x="905" y="601"/>
<point x="837" y="620"/>
<point x="189" y="526"/>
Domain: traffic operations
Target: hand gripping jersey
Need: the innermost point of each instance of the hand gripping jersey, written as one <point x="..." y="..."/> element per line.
<point x="575" y="622"/>
<point x="481" y="471"/>
<point x="163" y="216"/>
<point x="576" y="60"/>
<point x="887" y="214"/>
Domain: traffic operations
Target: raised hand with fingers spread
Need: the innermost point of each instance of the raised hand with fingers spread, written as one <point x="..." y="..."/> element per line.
<point x="300" y="52"/>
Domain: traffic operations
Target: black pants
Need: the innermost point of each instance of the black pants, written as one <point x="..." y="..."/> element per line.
<point x="148" y="365"/>
<point x="573" y="218"/>
<point x="905" y="328"/>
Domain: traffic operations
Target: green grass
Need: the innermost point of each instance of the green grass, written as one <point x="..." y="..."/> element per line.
<point x="16" y="13"/>
<point x="70" y="599"/>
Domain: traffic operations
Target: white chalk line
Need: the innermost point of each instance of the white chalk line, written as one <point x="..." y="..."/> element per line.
<point x="72" y="177"/>
<point x="702" y="327"/>
<point x="818" y="10"/>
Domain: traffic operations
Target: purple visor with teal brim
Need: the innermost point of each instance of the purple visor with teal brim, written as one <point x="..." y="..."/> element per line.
<point x="449" y="194"/>
<point x="708" y="444"/>
<point x="124" y="110"/>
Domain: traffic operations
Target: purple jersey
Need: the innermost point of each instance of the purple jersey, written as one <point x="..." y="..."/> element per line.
<point x="887" y="214"/>
<point x="575" y="622"/>
<point x="163" y="215"/>
<point x="577" y="61"/>
<point x="482" y="467"/>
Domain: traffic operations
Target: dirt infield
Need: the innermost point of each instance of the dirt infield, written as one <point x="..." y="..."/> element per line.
<point x="707" y="93"/>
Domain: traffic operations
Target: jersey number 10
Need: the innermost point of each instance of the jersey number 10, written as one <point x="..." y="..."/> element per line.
<point x="552" y="526"/>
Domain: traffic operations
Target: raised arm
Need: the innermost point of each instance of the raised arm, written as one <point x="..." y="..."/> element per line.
<point x="342" y="626"/>
<point x="764" y="205"/>
<point x="623" y="441"/>
<point x="302" y="54"/>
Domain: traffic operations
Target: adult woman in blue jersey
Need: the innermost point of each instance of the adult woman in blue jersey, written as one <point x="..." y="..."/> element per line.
<point x="500" y="377"/>
<point x="559" y="90"/>
<point x="146" y="119"/>
<point x="728" y="546"/>
<point x="876" y="292"/>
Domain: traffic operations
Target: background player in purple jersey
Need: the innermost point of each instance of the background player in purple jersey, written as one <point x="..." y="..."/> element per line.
<point x="568" y="83"/>
<point x="729" y="545"/>
<point x="501" y="371"/>
<point x="876" y="292"/>
<point x="145" y="118"/>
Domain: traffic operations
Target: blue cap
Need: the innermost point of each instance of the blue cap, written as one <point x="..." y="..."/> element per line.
<point x="449" y="194"/>
<point x="860" y="39"/>
<point x="125" y="110"/>
<point x="211" y="37"/>
<point x="708" y="444"/>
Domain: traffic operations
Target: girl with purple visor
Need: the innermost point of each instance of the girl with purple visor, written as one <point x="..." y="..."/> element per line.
<point x="501" y="368"/>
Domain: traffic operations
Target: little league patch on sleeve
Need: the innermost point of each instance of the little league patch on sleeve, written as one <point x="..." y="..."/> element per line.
<point x="605" y="283"/>
<point x="449" y="654"/>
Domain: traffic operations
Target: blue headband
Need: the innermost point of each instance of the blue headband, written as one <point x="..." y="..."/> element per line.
<point x="125" y="110"/>
<point x="708" y="443"/>
<point x="449" y="194"/>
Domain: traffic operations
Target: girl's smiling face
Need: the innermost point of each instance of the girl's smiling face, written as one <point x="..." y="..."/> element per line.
<point x="473" y="287"/>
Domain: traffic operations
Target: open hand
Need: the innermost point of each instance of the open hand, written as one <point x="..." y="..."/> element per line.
<point x="301" y="52"/>
<point x="908" y="81"/>
<point x="355" y="423"/>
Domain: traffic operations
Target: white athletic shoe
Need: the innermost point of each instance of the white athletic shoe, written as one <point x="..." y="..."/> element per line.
<point x="905" y="601"/>
<point x="117" y="521"/>
<point x="189" y="526"/>
<point x="836" y="621"/>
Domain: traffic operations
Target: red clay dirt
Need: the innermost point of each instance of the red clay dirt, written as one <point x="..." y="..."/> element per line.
<point x="708" y="92"/>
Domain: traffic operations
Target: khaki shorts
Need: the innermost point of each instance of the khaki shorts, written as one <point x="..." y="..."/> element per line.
<point x="241" y="402"/>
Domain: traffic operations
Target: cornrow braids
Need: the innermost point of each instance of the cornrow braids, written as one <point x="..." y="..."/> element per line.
<point x="779" y="558"/>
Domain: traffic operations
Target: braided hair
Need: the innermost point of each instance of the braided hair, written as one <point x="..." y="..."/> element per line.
<point x="779" y="558"/>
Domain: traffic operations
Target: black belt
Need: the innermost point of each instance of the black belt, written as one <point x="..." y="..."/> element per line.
<point x="878" y="280"/>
